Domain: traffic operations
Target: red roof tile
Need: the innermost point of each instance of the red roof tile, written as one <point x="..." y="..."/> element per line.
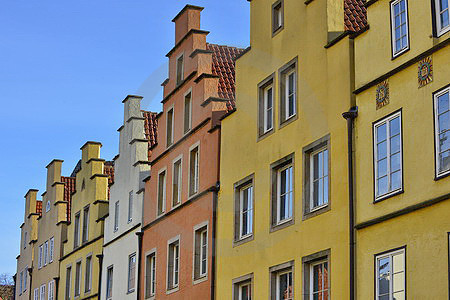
<point x="39" y="207"/>
<point x="355" y="15"/>
<point x="150" y="126"/>
<point x="223" y="65"/>
<point x="69" y="189"/>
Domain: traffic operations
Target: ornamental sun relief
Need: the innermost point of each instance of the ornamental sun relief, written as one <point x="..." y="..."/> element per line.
<point x="382" y="94"/>
<point x="425" y="71"/>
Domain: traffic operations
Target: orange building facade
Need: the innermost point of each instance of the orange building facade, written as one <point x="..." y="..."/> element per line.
<point x="177" y="238"/>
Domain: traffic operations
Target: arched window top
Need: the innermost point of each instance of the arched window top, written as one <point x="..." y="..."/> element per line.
<point x="47" y="207"/>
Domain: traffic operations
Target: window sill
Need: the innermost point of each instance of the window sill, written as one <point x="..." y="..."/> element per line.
<point x="201" y="279"/>
<point x="172" y="290"/>
<point x="315" y="212"/>
<point x="443" y="31"/>
<point x="277" y="31"/>
<point x="243" y="240"/>
<point x="265" y="134"/>
<point x="393" y="194"/>
<point x="400" y="53"/>
<point x="281" y="225"/>
<point x="288" y="121"/>
<point x="442" y="175"/>
<point x="176" y="206"/>
<point x="130" y="292"/>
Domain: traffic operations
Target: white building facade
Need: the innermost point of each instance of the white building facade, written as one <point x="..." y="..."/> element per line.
<point x="119" y="278"/>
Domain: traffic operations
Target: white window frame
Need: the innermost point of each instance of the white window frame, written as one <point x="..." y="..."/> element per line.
<point x="247" y="284"/>
<point x="196" y="170"/>
<point x="116" y="215"/>
<point x="42" y="292"/>
<point x="277" y="287"/>
<point x="396" y="53"/>
<point x="76" y="235"/>
<point x="25" y="275"/>
<point x="311" y="179"/>
<point x="249" y="211"/>
<point x="200" y="229"/>
<point x="180" y="180"/>
<point x="164" y="193"/>
<point x="46" y="254"/>
<point x="131" y="289"/>
<point x="130" y="206"/>
<point x="51" y="290"/>
<point x="311" y="278"/>
<point x="79" y="275"/>
<point x="152" y="276"/>
<point x="36" y="294"/>
<point x="439" y="29"/>
<point x="88" y="280"/>
<point x="170" y="142"/>
<point x="21" y="282"/>
<point x="109" y="282"/>
<point x="386" y="121"/>
<point x="85" y="227"/>
<point x="391" y="273"/>
<point x="186" y="130"/>
<point x="182" y="69"/>
<point x="286" y="92"/>
<point x="41" y="252"/>
<point x="290" y="212"/>
<point x="176" y="264"/>
<point x="68" y="283"/>
<point x="436" y="131"/>
<point x="266" y="108"/>
<point x="52" y="249"/>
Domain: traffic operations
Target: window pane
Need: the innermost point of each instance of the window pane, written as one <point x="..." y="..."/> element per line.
<point x="398" y="264"/>
<point x="394" y="126"/>
<point x="399" y="296"/>
<point x="382" y="150"/>
<point x="382" y="168"/>
<point x="399" y="282"/>
<point x="395" y="162"/>
<point x="317" y="280"/>
<point x="396" y="182"/>
<point x="381" y="133"/>
<point x="316" y="166"/>
<point x="444" y="161"/>
<point x="383" y="285"/>
<point x="444" y="141"/>
<point x="395" y="144"/>
<point x="444" y="122"/>
<point x="444" y="19"/>
<point x="325" y="190"/>
<point x="443" y="103"/>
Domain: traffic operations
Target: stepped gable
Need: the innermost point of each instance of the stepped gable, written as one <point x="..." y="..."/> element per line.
<point x="355" y="15"/>
<point x="69" y="189"/>
<point x="150" y="127"/>
<point x="223" y="59"/>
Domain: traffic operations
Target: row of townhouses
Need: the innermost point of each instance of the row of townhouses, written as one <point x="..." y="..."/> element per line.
<point x="312" y="165"/>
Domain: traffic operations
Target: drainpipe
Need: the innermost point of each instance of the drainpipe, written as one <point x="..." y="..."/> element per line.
<point x="56" y="279"/>
<point x="30" y="271"/>
<point x="350" y="117"/>
<point x="213" y="238"/>
<point x="138" y="293"/>
<point x="100" y="266"/>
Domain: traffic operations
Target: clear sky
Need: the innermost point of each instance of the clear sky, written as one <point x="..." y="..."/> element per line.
<point x="66" y="66"/>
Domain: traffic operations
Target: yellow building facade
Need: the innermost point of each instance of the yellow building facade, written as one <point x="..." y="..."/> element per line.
<point x="283" y="217"/>
<point x="82" y="249"/>
<point x="402" y="151"/>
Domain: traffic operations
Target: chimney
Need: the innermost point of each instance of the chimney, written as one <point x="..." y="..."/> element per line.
<point x="188" y="18"/>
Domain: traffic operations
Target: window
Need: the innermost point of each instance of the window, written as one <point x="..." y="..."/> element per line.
<point x="116" y="216"/>
<point x="45" y="253"/>
<point x="131" y="272"/>
<point x="200" y="251"/>
<point x="176" y="181"/>
<point x="51" y="290"/>
<point x="442" y="16"/>
<point x="282" y="281"/>
<point x="109" y="282"/>
<point x="85" y="237"/>
<point x="243" y="203"/>
<point x="52" y="248"/>
<point x="150" y="275"/>
<point x="36" y="294"/>
<point x="40" y="260"/>
<point x="25" y="240"/>
<point x="288" y="91"/>
<point x="284" y="193"/>
<point x="180" y="69"/>
<point x="316" y="279"/>
<point x="265" y="106"/>
<point x="130" y="206"/>
<point x="170" y="127"/>
<point x="277" y="16"/>
<point x="242" y="287"/>
<point x="68" y="279"/>
<point x="187" y="112"/>
<point x="88" y="275"/>
<point x="161" y="192"/>
<point x="399" y="23"/>
<point x="390" y="275"/>
<point x="76" y="238"/>
<point x="319" y="178"/>
<point x="21" y="282"/>
<point x="25" y="275"/>
<point x="388" y="156"/>
<point x="173" y="264"/>
<point x="42" y="292"/>
<point x="47" y="206"/>
<point x="77" y="278"/>
<point x="442" y="131"/>
<point x="193" y="170"/>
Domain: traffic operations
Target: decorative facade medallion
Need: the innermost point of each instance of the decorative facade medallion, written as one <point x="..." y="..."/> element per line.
<point x="425" y="70"/>
<point x="382" y="96"/>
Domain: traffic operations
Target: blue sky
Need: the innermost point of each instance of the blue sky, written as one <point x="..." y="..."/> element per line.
<point x="65" y="67"/>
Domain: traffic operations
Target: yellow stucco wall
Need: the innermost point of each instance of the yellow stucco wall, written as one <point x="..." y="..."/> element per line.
<point x="324" y="92"/>
<point x="423" y="232"/>
<point x="94" y="194"/>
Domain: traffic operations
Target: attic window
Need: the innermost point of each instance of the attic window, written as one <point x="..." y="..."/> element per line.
<point x="47" y="206"/>
<point x="83" y="185"/>
<point x="180" y="68"/>
<point x="277" y="16"/>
